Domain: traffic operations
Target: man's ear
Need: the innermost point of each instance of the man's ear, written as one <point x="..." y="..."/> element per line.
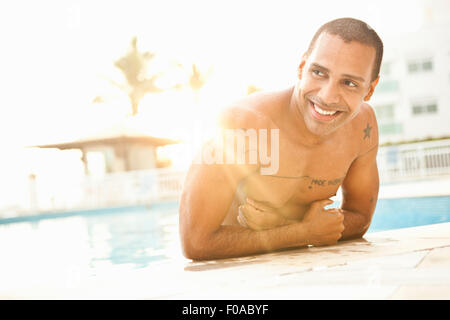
<point x="301" y="66"/>
<point x="371" y="89"/>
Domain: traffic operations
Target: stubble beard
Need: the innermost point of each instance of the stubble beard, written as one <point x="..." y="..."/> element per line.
<point x="320" y="129"/>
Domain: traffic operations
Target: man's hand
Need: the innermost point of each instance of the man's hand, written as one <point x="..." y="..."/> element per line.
<point x="323" y="226"/>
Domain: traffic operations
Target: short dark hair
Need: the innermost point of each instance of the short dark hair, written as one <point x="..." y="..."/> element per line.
<point x="349" y="29"/>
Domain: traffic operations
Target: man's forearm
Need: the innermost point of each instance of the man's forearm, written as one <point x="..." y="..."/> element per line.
<point x="234" y="241"/>
<point x="355" y="223"/>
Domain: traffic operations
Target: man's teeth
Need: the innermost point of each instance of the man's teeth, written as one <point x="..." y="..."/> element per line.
<point x="323" y="112"/>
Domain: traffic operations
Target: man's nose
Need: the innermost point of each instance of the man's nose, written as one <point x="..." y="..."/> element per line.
<point x="329" y="94"/>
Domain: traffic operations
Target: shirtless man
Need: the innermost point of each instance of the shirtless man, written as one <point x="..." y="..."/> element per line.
<point x="328" y="138"/>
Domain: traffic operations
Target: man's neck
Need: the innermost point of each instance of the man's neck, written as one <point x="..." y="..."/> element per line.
<point x="306" y="137"/>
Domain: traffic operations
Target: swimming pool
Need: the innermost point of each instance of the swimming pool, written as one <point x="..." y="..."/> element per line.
<point x="410" y="212"/>
<point x="136" y="237"/>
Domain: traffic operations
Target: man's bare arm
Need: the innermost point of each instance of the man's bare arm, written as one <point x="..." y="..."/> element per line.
<point x="208" y="193"/>
<point x="361" y="185"/>
<point x="360" y="194"/>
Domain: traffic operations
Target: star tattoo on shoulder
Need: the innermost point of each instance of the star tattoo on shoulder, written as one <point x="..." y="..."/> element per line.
<point x="367" y="131"/>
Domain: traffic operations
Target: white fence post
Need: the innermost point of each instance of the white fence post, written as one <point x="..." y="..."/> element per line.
<point x="415" y="161"/>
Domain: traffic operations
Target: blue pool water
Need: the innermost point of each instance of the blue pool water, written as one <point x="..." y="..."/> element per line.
<point x="410" y="212"/>
<point x="132" y="237"/>
<point x="139" y="236"/>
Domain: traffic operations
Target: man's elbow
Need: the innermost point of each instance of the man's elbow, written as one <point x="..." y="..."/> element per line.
<point x="362" y="230"/>
<point x="366" y="225"/>
<point x="353" y="236"/>
<point x="193" y="247"/>
<point x="191" y="251"/>
<point x="357" y="233"/>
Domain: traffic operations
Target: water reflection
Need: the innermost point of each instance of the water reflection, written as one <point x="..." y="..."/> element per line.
<point x="97" y="241"/>
<point x="92" y="242"/>
<point x="136" y="239"/>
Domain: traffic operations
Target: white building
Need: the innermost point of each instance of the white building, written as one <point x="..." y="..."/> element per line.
<point x="412" y="100"/>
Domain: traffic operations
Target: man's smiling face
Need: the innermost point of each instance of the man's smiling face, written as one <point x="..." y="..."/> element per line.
<point x="334" y="81"/>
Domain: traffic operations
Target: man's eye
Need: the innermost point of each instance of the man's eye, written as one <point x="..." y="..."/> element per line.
<point x="350" y="84"/>
<point x="317" y="72"/>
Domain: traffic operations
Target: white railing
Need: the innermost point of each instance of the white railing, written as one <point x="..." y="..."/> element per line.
<point x="133" y="188"/>
<point x="115" y="189"/>
<point x="395" y="163"/>
<point x="414" y="161"/>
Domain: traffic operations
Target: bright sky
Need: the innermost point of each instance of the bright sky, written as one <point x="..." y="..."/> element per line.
<point x="55" y="53"/>
<point x="56" y="56"/>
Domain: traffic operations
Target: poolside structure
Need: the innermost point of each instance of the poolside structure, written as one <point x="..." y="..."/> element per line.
<point x="124" y="148"/>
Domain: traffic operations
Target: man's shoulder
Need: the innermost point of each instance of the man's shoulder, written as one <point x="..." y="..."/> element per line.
<point x="365" y="128"/>
<point x="365" y="114"/>
<point x="254" y="111"/>
<point x="241" y="116"/>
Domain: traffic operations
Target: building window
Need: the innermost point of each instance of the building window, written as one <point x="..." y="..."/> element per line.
<point x="387" y="86"/>
<point x="390" y="128"/>
<point x="432" y="108"/>
<point x="424" y="108"/>
<point x="385" y="68"/>
<point x="386" y="120"/>
<point x="384" y="112"/>
<point x="413" y="67"/>
<point x="423" y="65"/>
<point x="427" y="65"/>
<point x="417" y="109"/>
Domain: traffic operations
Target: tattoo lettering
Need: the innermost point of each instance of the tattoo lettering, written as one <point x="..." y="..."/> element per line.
<point x="323" y="183"/>
<point x="335" y="181"/>
<point x="318" y="182"/>
<point x="367" y="131"/>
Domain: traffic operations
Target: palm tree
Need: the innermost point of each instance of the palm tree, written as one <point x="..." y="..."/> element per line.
<point x="134" y="66"/>
<point x="196" y="79"/>
<point x="251" y="88"/>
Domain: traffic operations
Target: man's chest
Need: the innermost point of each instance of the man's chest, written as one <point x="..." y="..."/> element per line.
<point x="303" y="176"/>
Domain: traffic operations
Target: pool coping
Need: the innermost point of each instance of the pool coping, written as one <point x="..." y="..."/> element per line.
<point x="409" y="263"/>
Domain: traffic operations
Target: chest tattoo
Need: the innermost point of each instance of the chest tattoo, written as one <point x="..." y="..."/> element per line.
<point x="324" y="182"/>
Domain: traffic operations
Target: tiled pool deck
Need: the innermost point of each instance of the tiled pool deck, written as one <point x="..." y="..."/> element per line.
<point x="412" y="263"/>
